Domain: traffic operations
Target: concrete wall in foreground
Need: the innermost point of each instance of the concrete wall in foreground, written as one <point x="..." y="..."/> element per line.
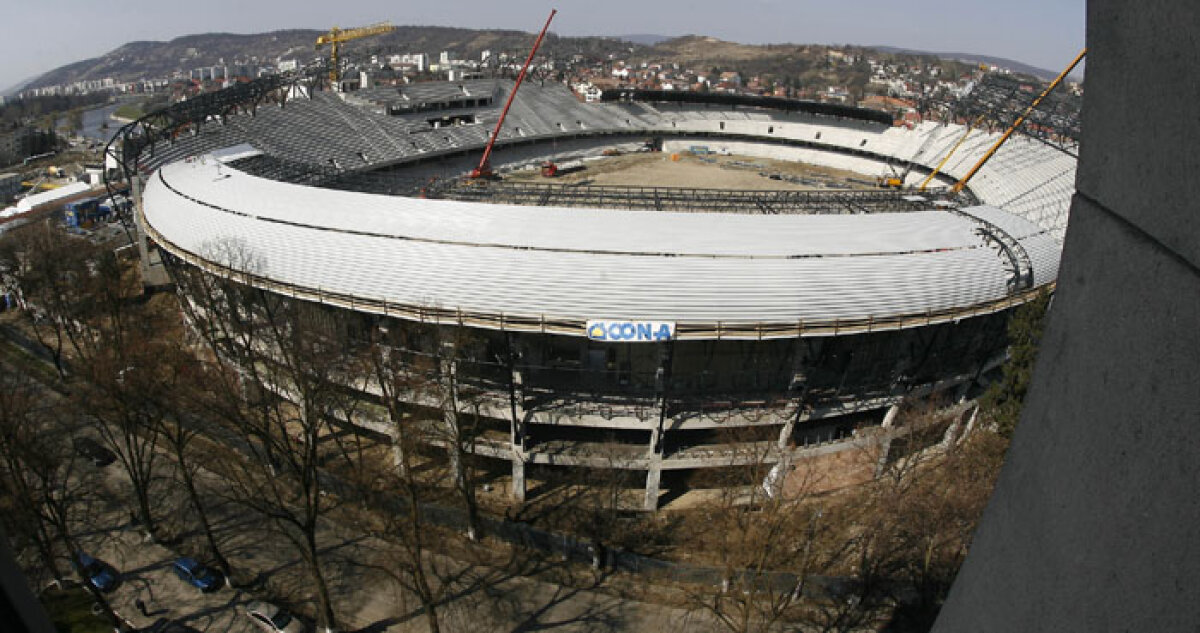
<point x="1095" y="523"/>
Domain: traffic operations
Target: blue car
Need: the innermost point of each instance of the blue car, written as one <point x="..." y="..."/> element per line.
<point x="100" y="575"/>
<point x="197" y="575"/>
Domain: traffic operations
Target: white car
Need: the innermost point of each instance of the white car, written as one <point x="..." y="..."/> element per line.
<point x="273" y="619"/>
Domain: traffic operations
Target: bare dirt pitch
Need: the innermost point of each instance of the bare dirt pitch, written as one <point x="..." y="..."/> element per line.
<point x="733" y="172"/>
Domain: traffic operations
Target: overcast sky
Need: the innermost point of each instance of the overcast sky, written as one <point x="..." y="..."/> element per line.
<point x="1047" y="33"/>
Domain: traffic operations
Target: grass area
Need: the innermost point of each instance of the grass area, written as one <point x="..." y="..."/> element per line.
<point x="129" y="111"/>
<point x="136" y="109"/>
<point x="19" y="358"/>
<point x="71" y="611"/>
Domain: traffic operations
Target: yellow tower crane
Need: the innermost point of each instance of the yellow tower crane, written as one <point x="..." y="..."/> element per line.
<point x="335" y="37"/>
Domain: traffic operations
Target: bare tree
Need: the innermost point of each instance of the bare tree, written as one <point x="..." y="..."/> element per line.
<point x="916" y="520"/>
<point x="24" y="469"/>
<point x="48" y="272"/>
<point x="179" y="432"/>
<point x="770" y="535"/>
<point x="410" y="559"/>
<point x="132" y="371"/>
<point x="293" y="364"/>
<point x="42" y="492"/>
<point x="454" y="349"/>
<point x="84" y="299"/>
<point x="403" y="379"/>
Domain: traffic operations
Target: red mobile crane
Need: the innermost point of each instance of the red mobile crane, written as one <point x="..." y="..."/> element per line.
<point x="484" y="170"/>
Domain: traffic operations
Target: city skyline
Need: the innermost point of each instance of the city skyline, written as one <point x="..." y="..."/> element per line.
<point x="1043" y="34"/>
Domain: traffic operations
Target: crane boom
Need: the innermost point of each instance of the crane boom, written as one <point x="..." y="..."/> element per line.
<point x="938" y="169"/>
<point x="335" y="37"/>
<point x="485" y="166"/>
<point x="958" y="186"/>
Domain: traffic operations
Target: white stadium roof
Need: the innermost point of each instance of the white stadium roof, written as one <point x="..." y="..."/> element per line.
<point x="568" y="265"/>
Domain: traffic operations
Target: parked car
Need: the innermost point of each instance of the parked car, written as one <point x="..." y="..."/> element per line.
<point x="101" y="575"/>
<point x="197" y="575"/>
<point x="273" y="619"/>
<point x="92" y="450"/>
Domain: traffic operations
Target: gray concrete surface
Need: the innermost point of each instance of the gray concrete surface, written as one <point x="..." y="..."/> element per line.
<point x="1094" y="523"/>
<point x="1140" y="123"/>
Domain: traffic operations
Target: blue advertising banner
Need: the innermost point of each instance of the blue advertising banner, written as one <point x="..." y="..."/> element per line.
<point x="630" y="331"/>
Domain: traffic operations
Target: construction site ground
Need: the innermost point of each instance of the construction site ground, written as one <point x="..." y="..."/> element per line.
<point x="712" y="171"/>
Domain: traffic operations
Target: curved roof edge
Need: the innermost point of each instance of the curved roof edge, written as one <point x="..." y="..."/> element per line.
<point x="174" y="209"/>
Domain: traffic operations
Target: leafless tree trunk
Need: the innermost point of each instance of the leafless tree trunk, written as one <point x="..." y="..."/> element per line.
<point x="460" y="415"/>
<point x="917" y="518"/>
<point x="403" y="378"/>
<point x="49" y="272"/>
<point x="42" y="490"/>
<point x="759" y="530"/>
<point x="127" y="397"/>
<point x="178" y="432"/>
<point x="27" y="467"/>
<point x="295" y="364"/>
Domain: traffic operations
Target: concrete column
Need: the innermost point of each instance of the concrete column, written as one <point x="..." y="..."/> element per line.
<point x="450" y="417"/>
<point x="658" y="431"/>
<point x="785" y="434"/>
<point x="970" y="426"/>
<point x="1093" y="521"/>
<point x="890" y="418"/>
<point x="885" y="448"/>
<point x="519" y="432"/>
<point x="518" y="478"/>
<point x="398" y="460"/>
<point x="653" y="478"/>
<point x="517" y="423"/>
<point x="139" y="223"/>
<point x="654" y="473"/>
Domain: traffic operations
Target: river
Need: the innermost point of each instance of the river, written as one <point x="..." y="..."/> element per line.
<point x="95" y="118"/>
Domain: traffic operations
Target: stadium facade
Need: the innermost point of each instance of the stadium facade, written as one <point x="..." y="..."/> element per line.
<point x="654" y="330"/>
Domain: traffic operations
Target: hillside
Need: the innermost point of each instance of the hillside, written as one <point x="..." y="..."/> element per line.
<point x="805" y="64"/>
<point x="1013" y="65"/>
<point x="137" y="60"/>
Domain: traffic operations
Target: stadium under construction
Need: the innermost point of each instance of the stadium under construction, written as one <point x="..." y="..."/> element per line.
<point x="658" y="330"/>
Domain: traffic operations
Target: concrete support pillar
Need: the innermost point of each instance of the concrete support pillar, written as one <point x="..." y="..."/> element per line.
<point x="885" y="447"/>
<point x="517" y="422"/>
<point x="516" y="399"/>
<point x="970" y="425"/>
<point x="519" y="487"/>
<point x="653" y="478"/>
<point x="139" y="223"/>
<point x="789" y="427"/>
<point x="890" y="418"/>
<point x="450" y="418"/>
<point x="657" y="432"/>
<point x="1092" y="524"/>
<point x="956" y="430"/>
<point x="656" y="441"/>
<point x="519" y="434"/>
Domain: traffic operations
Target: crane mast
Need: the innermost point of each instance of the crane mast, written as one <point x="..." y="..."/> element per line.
<point x="336" y="37"/>
<point x="484" y="169"/>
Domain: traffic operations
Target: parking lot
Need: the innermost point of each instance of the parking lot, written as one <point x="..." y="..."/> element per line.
<point x="144" y="573"/>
